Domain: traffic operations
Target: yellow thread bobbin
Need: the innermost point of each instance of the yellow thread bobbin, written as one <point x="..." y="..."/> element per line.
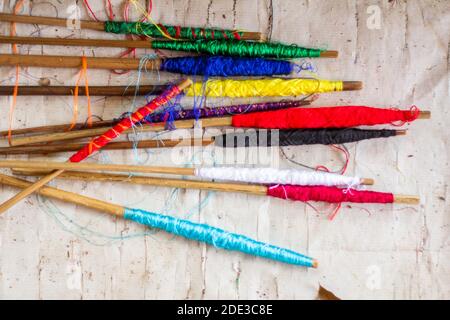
<point x="263" y="87"/>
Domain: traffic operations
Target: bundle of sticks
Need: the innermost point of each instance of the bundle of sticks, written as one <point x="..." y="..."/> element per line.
<point x="282" y="123"/>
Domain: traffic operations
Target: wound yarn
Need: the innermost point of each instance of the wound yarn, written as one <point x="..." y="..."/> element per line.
<point x="324" y="117"/>
<point x="239" y="48"/>
<point x="271" y="176"/>
<point x="125" y="124"/>
<point x="220" y="66"/>
<point x="210" y="112"/>
<point x="328" y="194"/>
<point x="262" y="87"/>
<point x="176" y="32"/>
<point x="296" y="137"/>
<point x="217" y="237"/>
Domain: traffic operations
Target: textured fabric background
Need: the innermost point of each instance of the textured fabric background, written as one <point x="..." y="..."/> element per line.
<point x="400" y="49"/>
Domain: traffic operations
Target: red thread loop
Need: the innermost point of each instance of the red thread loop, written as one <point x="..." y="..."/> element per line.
<point x="414" y="112"/>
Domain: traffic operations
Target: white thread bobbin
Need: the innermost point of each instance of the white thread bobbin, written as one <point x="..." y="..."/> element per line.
<point x="278" y="176"/>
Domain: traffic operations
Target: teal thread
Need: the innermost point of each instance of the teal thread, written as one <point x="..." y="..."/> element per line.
<point x="216" y="237"/>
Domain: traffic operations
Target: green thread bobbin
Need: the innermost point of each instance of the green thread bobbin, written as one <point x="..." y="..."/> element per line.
<point x="151" y="30"/>
<point x="239" y="48"/>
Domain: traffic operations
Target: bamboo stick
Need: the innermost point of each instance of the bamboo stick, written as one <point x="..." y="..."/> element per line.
<point x="45" y="61"/>
<point x="120" y="145"/>
<point x="184" y="184"/>
<point x="24" y="193"/>
<point x="109" y="90"/>
<point x="78" y="126"/>
<point x="406" y="199"/>
<point x="59" y="128"/>
<point x="424" y="115"/>
<point x="89" y="166"/>
<point x="85" y="24"/>
<point x="142" y="44"/>
<point x="61" y="136"/>
<point x="50" y="21"/>
<point x="65" y="196"/>
<point x="147" y="44"/>
<point x="125" y="91"/>
<point x="48" y="165"/>
<point x="169" y="183"/>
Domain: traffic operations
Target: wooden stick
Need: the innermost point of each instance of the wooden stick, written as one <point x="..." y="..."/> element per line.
<point x="181" y="183"/>
<point x="120" y="145"/>
<point x="424" y="115"/>
<point x="84" y="24"/>
<point x="45" y="61"/>
<point x="93" y="90"/>
<point x="73" y="166"/>
<point x="61" y="136"/>
<point x="47" y="165"/>
<point x="24" y="193"/>
<point x="92" y="203"/>
<point x="65" y="196"/>
<point x="406" y="199"/>
<point x="401" y="132"/>
<point x="49" y="21"/>
<point x="146" y="44"/>
<point x="352" y="85"/>
<point x="59" y="128"/>
<point x="169" y="183"/>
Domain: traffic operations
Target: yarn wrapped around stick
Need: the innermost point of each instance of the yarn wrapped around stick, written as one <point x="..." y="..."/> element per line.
<point x="328" y="194"/>
<point x="217" y="237"/>
<point x="271" y="175"/>
<point x="239" y="48"/>
<point x="262" y="88"/>
<point x="176" y="32"/>
<point x="296" y="137"/>
<point x="222" y="111"/>
<point x="219" y="66"/>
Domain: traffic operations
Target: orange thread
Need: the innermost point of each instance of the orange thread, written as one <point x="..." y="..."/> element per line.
<point x="82" y="74"/>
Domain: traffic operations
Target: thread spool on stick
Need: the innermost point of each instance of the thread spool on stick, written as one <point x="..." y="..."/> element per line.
<point x="120" y="145"/>
<point x="62" y="136"/>
<point x="144" y="44"/>
<point x="199" y="65"/>
<point x="86" y="24"/>
<point x="115" y="90"/>
<point x="204" y="112"/>
<point x="253" y="189"/>
<point x="216" y="237"/>
<point x="78" y="134"/>
<point x="110" y="91"/>
<point x="74" y="166"/>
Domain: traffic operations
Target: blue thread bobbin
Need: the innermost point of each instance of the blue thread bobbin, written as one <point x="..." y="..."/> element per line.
<point x="217" y="237"/>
